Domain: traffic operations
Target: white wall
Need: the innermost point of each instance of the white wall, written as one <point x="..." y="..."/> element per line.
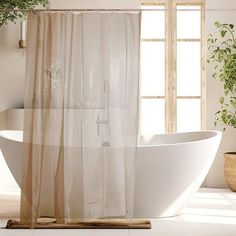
<point x="215" y="177"/>
<point x="12" y="67"/>
<point x="95" y="4"/>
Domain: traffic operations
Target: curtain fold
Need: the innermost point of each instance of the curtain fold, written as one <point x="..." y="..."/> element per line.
<point x="81" y="115"/>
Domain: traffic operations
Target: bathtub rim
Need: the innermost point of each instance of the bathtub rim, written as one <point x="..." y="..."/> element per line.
<point x="215" y="133"/>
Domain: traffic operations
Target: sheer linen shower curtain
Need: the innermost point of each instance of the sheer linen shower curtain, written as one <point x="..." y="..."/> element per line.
<point x="81" y="115"/>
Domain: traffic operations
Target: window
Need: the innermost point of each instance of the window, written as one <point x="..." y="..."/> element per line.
<point x="172" y="66"/>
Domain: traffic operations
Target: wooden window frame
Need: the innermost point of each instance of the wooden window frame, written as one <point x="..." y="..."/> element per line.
<point x="170" y="61"/>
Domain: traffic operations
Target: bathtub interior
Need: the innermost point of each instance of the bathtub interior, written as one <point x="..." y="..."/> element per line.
<point x="177" y="138"/>
<point x="14" y="135"/>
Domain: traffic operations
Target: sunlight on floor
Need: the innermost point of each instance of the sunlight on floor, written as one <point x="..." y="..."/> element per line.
<point x="211" y="207"/>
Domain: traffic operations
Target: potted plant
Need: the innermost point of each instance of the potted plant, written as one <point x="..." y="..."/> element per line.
<point x="222" y="49"/>
<point x="9" y="10"/>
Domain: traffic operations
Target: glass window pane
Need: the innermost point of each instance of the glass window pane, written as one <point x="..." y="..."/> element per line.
<point x="153" y="68"/>
<point x="188" y="22"/>
<point x="188" y="68"/>
<point x="152" y="116"/>
<point x="153" y="23"/>
<point x="188" y="115"/>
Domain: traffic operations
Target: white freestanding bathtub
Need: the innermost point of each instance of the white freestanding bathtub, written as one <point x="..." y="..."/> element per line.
<point x="169" y="168"/>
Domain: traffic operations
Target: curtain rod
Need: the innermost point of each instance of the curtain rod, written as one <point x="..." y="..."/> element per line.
<point x="109" y="10"/>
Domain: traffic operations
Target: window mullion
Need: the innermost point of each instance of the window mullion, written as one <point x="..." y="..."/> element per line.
<point x="170" y="107"/>
<point x="152" y="40"/>
<point x="203" y="69"/>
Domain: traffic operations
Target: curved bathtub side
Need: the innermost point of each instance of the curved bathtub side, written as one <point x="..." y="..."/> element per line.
<point x="168" y="175"/>
<point x="13" y="155"/>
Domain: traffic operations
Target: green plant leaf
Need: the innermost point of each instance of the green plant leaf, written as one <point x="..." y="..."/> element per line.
<point x="218" y="24"/>
<point x="231" y="26"/>
<point x="221" y="99"/>
<point x="222" y="56"/>
<point x="228" y="50"/>
<point x="223" y="33"/>
<point x="11" y="10"/>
